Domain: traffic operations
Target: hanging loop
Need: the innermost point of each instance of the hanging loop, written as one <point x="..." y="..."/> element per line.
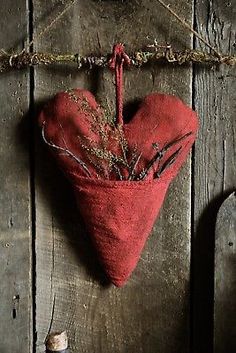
<point x="118" y="59"/>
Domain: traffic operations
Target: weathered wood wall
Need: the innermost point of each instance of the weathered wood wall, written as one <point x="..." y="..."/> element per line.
<point x="15" y="195"/>
<point x="167" y="306"/>
<point x="154" y="305"/>
<point x="214" y="158"/>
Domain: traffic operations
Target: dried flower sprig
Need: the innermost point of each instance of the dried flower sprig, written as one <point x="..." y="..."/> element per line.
<point x="117" y="163"/>
<point x="110" y="154"/>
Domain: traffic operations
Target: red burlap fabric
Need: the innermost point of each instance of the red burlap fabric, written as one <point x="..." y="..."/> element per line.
<point x="119" y="215"/>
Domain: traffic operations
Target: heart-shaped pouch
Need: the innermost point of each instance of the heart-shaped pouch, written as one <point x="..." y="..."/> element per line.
<point x="120" y="173"/>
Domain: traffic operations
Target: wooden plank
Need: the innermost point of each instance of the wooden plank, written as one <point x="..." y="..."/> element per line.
<point x="15" y="218"/>
<point x="151" y="313"/>
<point x="225" y="279"/>
<point x="215" y="162"/>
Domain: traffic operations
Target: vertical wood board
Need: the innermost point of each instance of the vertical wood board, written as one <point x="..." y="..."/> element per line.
<point x="214" y="162"/>
<point x="15" y="218"/>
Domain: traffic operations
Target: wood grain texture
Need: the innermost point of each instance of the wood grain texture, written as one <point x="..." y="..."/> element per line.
<point x="215" y="162"/>
<point x="15" y="219"/>
<point x="151" y="313"/>
<point x="225" y="278"/>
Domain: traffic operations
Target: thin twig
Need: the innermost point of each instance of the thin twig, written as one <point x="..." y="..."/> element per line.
<point x="117" y="171"/>
<point x="135" y="163"/>
<point x="69" y="153"/>
<point x="52" y="314"/>
<point x="159" y="155"/>
<point x="172" y="143"/>
<point x="168" y="162"/>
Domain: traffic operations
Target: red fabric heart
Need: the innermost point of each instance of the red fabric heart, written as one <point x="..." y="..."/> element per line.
<point x="119" y="214"/>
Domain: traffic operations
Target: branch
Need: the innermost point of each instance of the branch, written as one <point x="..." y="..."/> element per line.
<point x="159" y="155"/>
<point x="154" y="53"/>
<point x="168" y="162"/>
<point x="133" y="167"/>
<point x="69" y="153"/>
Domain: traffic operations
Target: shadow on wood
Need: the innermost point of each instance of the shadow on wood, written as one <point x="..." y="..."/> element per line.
<point x="203" y="277"/>
<point x="57" y="191"/>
